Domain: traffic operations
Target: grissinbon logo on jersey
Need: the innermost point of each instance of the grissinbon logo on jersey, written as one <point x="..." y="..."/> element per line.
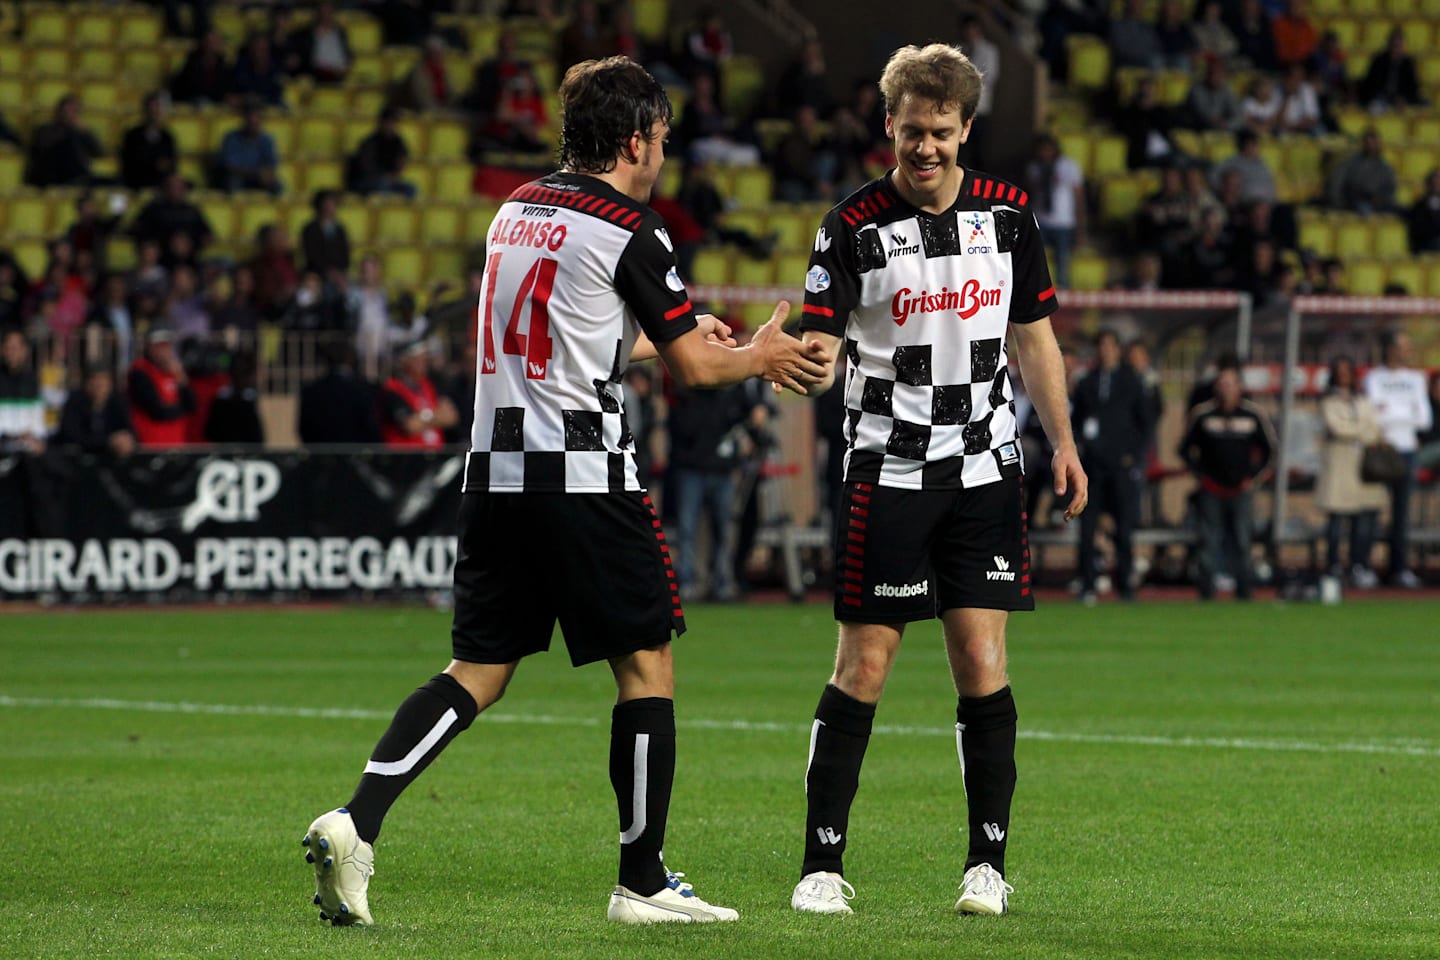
<point x="967" y="301"/>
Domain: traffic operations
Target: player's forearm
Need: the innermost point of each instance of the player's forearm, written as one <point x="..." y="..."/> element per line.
<point x="643" y="350"/>
<point x="1043" y="370"/>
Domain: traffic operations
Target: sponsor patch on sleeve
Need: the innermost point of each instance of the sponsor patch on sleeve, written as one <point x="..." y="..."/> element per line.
<point x="817" y="280"/>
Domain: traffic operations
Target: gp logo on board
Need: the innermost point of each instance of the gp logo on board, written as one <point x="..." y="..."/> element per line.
<point x="817" y="280"/>
<point x="978" y="243"/>
<point x="967" y="301"/>
<point x="231" y="491"/>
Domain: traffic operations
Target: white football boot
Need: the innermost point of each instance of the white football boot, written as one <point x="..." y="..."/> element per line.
<point x="343" y="866"/>
<point x="822" y="892"/>
<point x="675" y="903"/>
<point x="984" y="891"/>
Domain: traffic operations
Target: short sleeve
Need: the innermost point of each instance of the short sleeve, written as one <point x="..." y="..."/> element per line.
<point x="1034" y="295"/>
<point x="648" y="280"/>
<point x="832" y="284"/>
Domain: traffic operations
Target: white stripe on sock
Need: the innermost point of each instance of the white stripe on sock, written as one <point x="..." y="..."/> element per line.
<point x="641" y="783"/>
<point x="960" y="749"/>
<point x="814" y="732"/>
<point x="398" y="768"/>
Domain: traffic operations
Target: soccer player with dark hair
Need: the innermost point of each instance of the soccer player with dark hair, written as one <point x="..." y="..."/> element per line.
<point x="580" y="280"/>
<point x="918" y="277"/>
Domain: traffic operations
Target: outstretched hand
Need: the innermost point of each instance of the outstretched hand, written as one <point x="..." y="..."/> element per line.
<point x="1070" y="476"/>
<point x="715" y="330"/>
<point x="790" y="363"/>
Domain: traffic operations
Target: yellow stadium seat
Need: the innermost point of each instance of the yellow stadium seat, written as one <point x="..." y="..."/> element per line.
<point x="256" y="211"/>
<point x="120" y="254"/>
<point x="1089" y="62"/>
<point x="422" y="177"/>
<point x="755" y="314"/>
<point x="12" y="170"/>
<point x="405" y="267"/>
<point x="1301" y="157"/>
<point x="751" y="221"/>
<point x="1428" y="8"/>
<point x="484" y="34"/>
<point x="1391" y="237"/>
<point x="223" y="219"/>
<point x="652" y="18"/>
<point x="1324" y="9"/>
<point x="12" y="59"/>
<point x="358" y="219"/>
<point x="53" y="62"/>
<point x="1419" y="35"/>
<point x="547" y="74"/>
<point x="367" y="102"/>
<point x="1354" y="239"/>
<point x="32" y="255"/>
<point x="752" y="186"/>
<point x="1364" y="278"/>
<point x="533" y="38"/>
<point x="353" y="131"/>
<point x="1409" y="274"/>
<point x="416" y="134"/>
<point x="368" y="68"/>
<point x="139" y="29"/>
<point x="144" y="67"/>
<point x="93" y="28"/>
<point x="230" y="23"/>
<point x="363" y="33"/>
<point x="1108" y="155"/>
<point x="1417" y="162"/>
<point x="396" y="224"/>
<point x="328" y="102"/>
<point x="1401" y="8"/>
<point x="1088" y="272"/>
<point x="793" y="229"/>
<point x="97" y="63"/>
<point x="790" y="269"/>
<point x="318" y="137"/>
<point x="45" y="94"/>
<point x="47" y="26"/>
<point x="1365" y="9"/>
<point x="447" y="265"/>
<point x="479" y="214"/>
<point x="1347" y="31"/>
<point x="1425" y="129"/>
<point x="1127" y="79"/>
<point x="742" y="82"/>
<point x="323" y="174"/>
<point x="1173" y="87"/>
<point x="1428" y="69"/>
<point x="1120" y="198"/>
<point x="711" y="268"/>
<point x="452" y="182"/>
<point x="448" y="139"/>
<point x="29" y="216"/>
<point x="442" y="223"/>
<point x="749" y="272"/>
<point x="99" y="96"/>
<point x="1077" y="147"/>
<point x="282" y="130"/>
<point x="13" y="95"/>
<point x="191" y="132"/>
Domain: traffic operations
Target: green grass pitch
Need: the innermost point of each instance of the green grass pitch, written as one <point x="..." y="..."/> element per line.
<point x="1195" y="781"/>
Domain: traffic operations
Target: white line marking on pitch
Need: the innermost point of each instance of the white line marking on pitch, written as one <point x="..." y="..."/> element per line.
<point x="1405" y="746"/>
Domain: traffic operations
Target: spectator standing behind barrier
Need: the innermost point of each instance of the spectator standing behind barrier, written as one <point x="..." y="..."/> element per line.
<point x="1228" y="445"/>
<point x="96" y="419"/>
<point x="412" y="414"/>
<point x="339" y="407"/>
<point x="234" y="415"/>
<point x="1057" y="195"/>
<point x="1110" y="416"/>
<point x="160" y="396"/>
<point x="1351" y="423"/>
<point x="704" y="429"/>
<point x="22" y="411"/>
<point x="1401" y="397"/>
<point x="1428" y="457"/>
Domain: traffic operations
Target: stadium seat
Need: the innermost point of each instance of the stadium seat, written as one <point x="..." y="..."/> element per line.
<point x="1391" y="237"/>
<point x="1365" y="9"/>
<point x="479" y="214"/>
<point x="442" y="223"/>
<point x="318" y="137"/>
<point x="29" y="216"/>
<point x="446" y="265"/>
<point x="742" y="83"/>
<point x="45" y="93"/>
<point x="1401" y="8"/>
<point x="1088" y="272"/>
<point x="12" y="169"/>
<point x="283" y="130"/>
<point x="1417" y="162"/>
<point x="452" y="182"/>
<point x="327" y="102"/>
<point x="1365" y="278"/>
<point x="1425" y="130"/>
<point x="422" y="177"/>
<point x="484" y="34"/>
<point x="362" y="31"/>
<point x="1347" y="31"/>
<point x="751" y="187"/>
<point x="32" y="256"/>
<point x="749" y="272"/>
<point x="1374" y="32"/>
<point x="353" y="131"/>
<point x="229" y="22"/>
<point x="1409" y="274"/>
<point x="1108" y="155"/>
<point x="13" y="95"/>
<point x="1077" y="146"/>
<point x="368" y="68"/>
<point x="1353" y="239"/>
<point x="652" y="19"/>
<point x="120" y="254"/>
<point x="1173" y="87"/>
<point x="367" y="102"/>
<point x="1419" y="35"/>
<point x="1089" y="62"/>
<point x="790" y="269"/>
<point x="96" y="27"/>
<point x="1301" y="157"/>
<point x="358" y="219"/>
<point x="405" y="267"/>
<point x="144" y="67"/>
<point x="1120" y="198"/>
<point x="191" y="132"/>
<point x="97" y="63"/>
<point x="256" y="211"/>
<point x="48" y="62"/>
<point x="139" y="28"/>
<point x="448" y="139"/>
<point x="48" y="26"/>
<point x="711" y="268"/>
<point x="1352" y="121"/>
<point x="223" y="219"/>
<point x="1323" y="9"/>
<point x="794" y="229"/>
<point x="1428" y="69"/>
<point x="320" y="175"/>
<point x="102" y="97"/>
<point x="751" y="221"/>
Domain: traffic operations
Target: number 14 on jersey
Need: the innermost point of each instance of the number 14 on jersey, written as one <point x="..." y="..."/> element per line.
<point x="535" y="344"/>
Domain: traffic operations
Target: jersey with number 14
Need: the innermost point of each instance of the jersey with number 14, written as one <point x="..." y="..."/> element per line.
<point x="574" y="270"/>
<point x="923" y="302"/>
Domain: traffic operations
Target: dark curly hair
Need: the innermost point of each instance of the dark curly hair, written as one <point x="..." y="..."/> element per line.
<point x="602" y="103"/>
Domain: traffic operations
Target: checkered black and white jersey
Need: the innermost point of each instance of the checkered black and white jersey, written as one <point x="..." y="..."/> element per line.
<point x="923" y="302"/>
<point x="574" y="271"/>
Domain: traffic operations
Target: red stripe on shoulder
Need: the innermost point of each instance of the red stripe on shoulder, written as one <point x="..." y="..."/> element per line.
<point x="975" y="190"/>
<point x="1024" y="198"/>
<point x="633" y="220"/>
<point x="1010" y="194"/>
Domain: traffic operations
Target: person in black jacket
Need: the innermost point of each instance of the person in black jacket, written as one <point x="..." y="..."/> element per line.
<point x="1111" y="419"/>
<point x="325" y="241"/>
<point x="96" y="419"/>
<point x="1228" y="445"/>
<point x="340" y="406"/>
<point x="148" y="154"/>
<point x="234" y="415"/>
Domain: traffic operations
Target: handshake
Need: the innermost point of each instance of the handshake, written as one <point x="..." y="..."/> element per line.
<point x="804" y="366"/>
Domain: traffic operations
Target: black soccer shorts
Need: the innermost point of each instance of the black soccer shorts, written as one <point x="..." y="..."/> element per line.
<point x="596" y="562"/>
<point x="904" y="555"/>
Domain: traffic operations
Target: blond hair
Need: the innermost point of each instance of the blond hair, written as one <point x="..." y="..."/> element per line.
<point x="936" y="72"/>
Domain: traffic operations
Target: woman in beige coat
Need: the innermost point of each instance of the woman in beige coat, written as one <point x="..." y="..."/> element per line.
<point x="1351" y="422"/>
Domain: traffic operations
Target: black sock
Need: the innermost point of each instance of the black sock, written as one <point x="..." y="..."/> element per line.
<point x="642" y="769"/>
<point x="985" y="728"/>
<point x="837" y="748"/>
<point x="424" y="725"/>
